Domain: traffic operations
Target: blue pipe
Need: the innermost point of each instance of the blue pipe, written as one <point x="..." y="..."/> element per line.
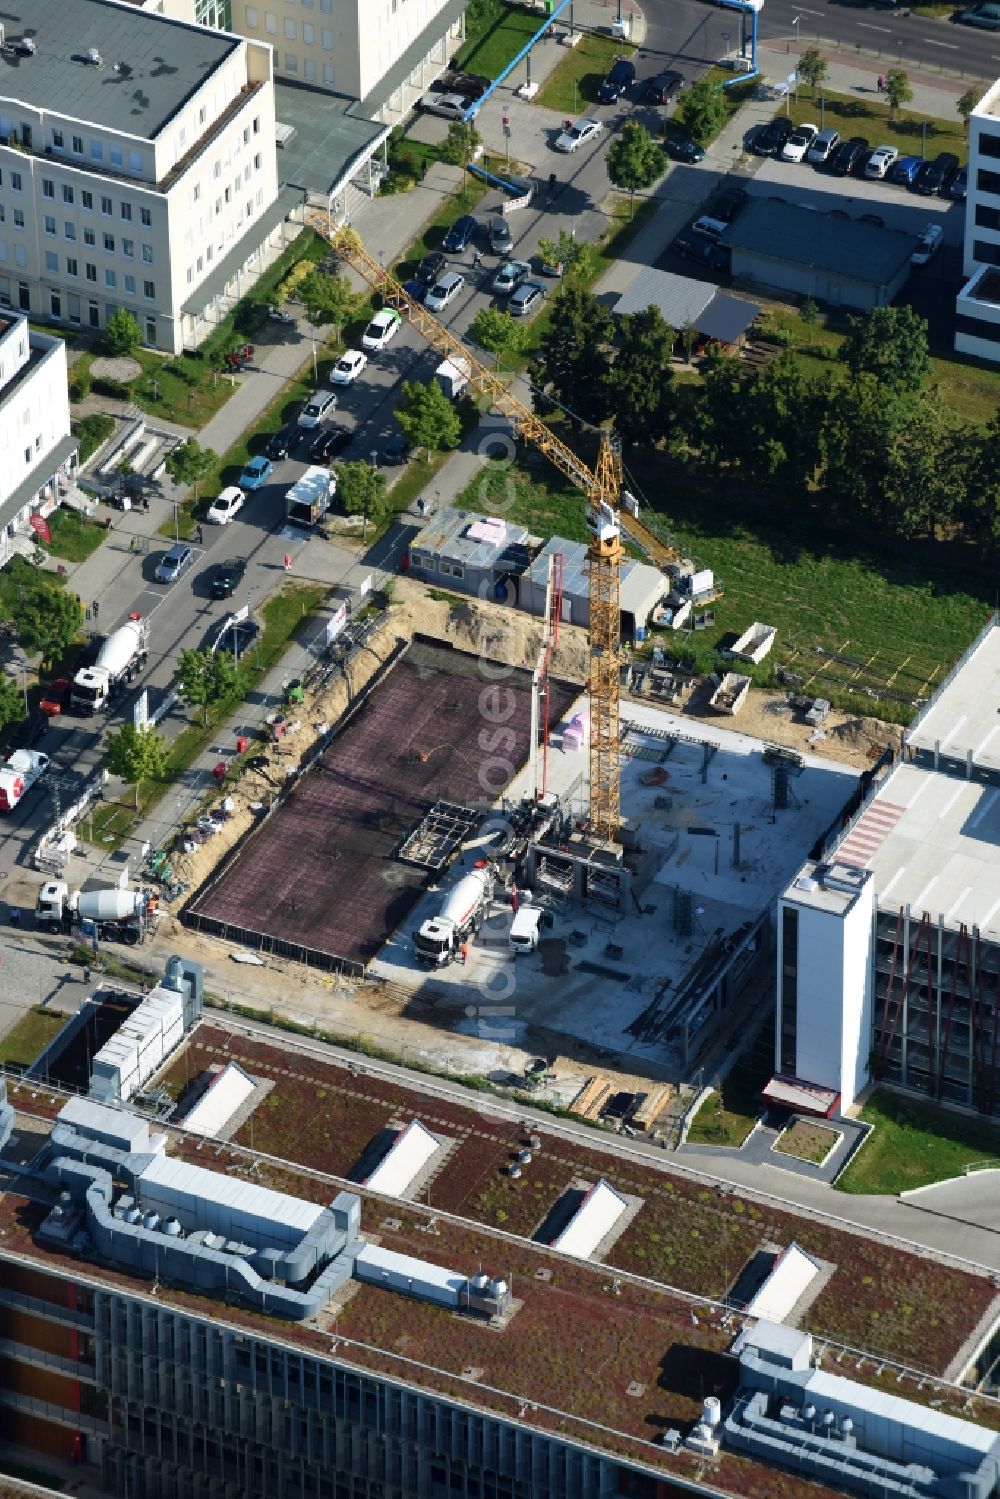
<point x="754" y="12"/>
<point x="477" y="104"/>
<point x="508" y="186"/>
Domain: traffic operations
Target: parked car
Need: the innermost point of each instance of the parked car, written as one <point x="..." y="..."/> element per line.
<point x="936" y="176"/>
<point x="450" y="106"/>
<point x="381" y="330"/>
<point x="53" y="699"/>
<point x="771" y="140"/>
<point x="276" y="447"/>
<point x="510" y="275"/>
<point x="682" y="148"/>
<point x="329" y="442"/>
<point x="397" y="450"/>
<point x="880" y="160"/>
<point x="701" y="249"/>
<point x="415" y="289"/>
<point x="848" y="156"/>
<point x="730" y="204"/>
<point x="958" y="186"/>
<point x="460" y="235"/>
<point x="823" y="146"/>
<point x="619" y="81"/>
<point x="578" y="134"/>
<point x="444" y="291"/>
<point x="226" y="506"/>
<point x="711" y="228"/>
<point x="173" y="563"/>
<point x="348" y="367"/>
<point x="227" y="577"/>
<point x="501" y="239"/>
<point x="662" y="88"/>
<point x="431" y="267"/>
<point x="798" y="142"/>
<point x="928" y="244"/>
<point x="257" y="470"/>
<point x="526" y="299"/>
<point x="319" y="405"/>
<point x="985" y="16"/>
<point x="904" y="170"/>
<point x="277" y="315"/>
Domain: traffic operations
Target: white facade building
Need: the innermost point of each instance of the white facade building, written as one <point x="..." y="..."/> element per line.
<point x="37" y="453"/>
<point x="137" y="168"/>
<point x="977" y="308"/>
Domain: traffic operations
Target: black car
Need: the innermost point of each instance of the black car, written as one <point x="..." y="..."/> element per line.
<point x="329" y="442"/>
<point x="958" y="186"/>
<point x="618" y="81"/>
<point x="460" y="235"/>
<point x="431" y="267"/>
<point x="662" y="88"/>
<point x="278" y="444"/>
<point x="694" y="246"/>
<point x="936" y="176"/>
<point x="396" y="450"/>
<point x="730" y="204"/>
<point x="771" y="140"/>
<point x="227" y="577"/>
<point x="848" y="156"/>
<point x="682" y="148"/>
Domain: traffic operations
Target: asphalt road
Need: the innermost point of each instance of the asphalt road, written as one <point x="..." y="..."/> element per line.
<point x="687" y="34"/>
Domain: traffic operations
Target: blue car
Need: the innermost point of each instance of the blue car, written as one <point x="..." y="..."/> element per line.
<point x="460" y="235"/>
<point x="256" y="473"/>
<point x="904" y="171"/>
<point x="417" y="290"/>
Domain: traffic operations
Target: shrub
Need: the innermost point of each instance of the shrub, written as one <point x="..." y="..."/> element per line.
<point x="91" y="431"/>
<point x="117" y="391"/>
<point x="80" y="382"/>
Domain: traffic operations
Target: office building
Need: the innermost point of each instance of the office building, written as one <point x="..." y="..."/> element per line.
<point x="37" y="452"/>
<point x="977" y="308"/>
<point x="137" y="168"/>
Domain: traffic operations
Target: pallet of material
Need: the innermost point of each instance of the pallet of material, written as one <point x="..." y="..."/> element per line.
<point x="653" y="1105"/>
<point x="592" y="1097"/>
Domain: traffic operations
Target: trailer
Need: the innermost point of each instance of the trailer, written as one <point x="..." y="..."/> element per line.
<point x="120" y="659"/>
<point x="310" y="496"/>
<point x="453" y="376"/>
<point x="19" y="773"/>
<point x="755" y="642"/>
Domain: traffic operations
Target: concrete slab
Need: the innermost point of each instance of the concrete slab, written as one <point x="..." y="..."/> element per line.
<point x="972" y="1200"/>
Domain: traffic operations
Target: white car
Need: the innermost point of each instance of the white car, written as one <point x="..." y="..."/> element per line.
<point x="225" y="508"/>
<point x="383" y="327"/>
<point x="798" y="142"/>
<point x="928" y="244"/>
<point x="444" y="291"/>
<point x="578" y="134"/>
<point x="348" y="367"/>
<point x="450" y="106"/>
<point x="880" y="161"/>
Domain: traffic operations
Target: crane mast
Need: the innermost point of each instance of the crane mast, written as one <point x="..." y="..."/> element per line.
<point x="602" y="489"/>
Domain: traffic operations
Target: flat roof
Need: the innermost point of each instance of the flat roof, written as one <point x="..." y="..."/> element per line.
<point x="931" y="843"/>
<point x="804" y="236"/>
<point x="963" y="716"/>
<point x="333" y="138"/>
<point x="468" y="537"/>
<point x="149" y="66"/>
<point x="680" y="299"/>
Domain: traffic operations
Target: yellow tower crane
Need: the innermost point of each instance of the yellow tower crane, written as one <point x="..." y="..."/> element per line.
<point x="602" y="488"/>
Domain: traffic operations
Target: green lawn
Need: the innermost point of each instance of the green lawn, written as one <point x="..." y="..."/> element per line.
<point x="29" y="1036"/>
<point x="282" y="617"/>
<point x="574" y="82"/>
<point x="73" y="536"/>
<point x="730" y="1113"/>
<point x="914" y="1144"/>
<point x="868" y="115"/>
<point x="509" y="30"/>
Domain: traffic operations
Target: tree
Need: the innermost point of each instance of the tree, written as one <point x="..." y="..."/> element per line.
<point x="329" y="299"/>
<point x="898" y="90"/>
<point x="136" y="755"/>
<point x="860" y="424"/>
<point x="427" y="418"/>
<point x="47" y="620"/>
<point x="361" y="489"/>
<point x="703" y="111"/>
<point x="812" y="68"/>
<point x="498" y="332"/>
<point x="577" y="257"/>
<point x="206" y="678"/>
<point x="717" y="407"/>
<point x="11" y="701"/>
<point x="574" y="357"/>
<point x="189" y="463"/>
<point x="634" y="160"/>
<point x="641" y="379"/>
<point x="461" y="145"/>
<point x="891" y="344"/>
<point x="967" y="103"/>
<point x="980" y="509"/>
<point x="926" y="483"/>
<point x="122" y="333"/>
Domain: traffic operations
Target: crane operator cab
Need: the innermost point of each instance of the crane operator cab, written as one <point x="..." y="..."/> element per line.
<point x="602" y="523"/>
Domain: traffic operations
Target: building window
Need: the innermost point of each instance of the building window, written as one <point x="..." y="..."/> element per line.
<point x="256" y="162"/>
<point x="256" y="124"/>
<point x="110" y="279"/>
<point x="308" y="33"/>
<point x="134" y="161"/>
<point x="291" y="63"/>
<point x="326" y="5"/>
<point x="96" y="151"/>
<point x="789" y="989"/>
<point x="74" y="308"/>
<point x="151" y="330"/>
<point x="68" y="193"/>
<point x="52" y="262"/>
<point x="90" y="271"/>
<point x="109" y="244"/>
<point x="250" y="14"/>
<point x="126" y="212"/>
<point x="270" y="23"/>
<point x="289" y="30"/>
<point x="130" y="286"/>
<point x="326" y="37"/>
<point x="78" y="145"/>
<point x="89" y="237"/>
<point x="94" y="314"/>
<point x="3" y="216"/>
<point x="328" y="72"/>
<point x="985" y="253"/>
<point x="69" y="230"/>
<point x="987" y="218"/>
<point x="145" y="217"/>
<point x="21" y="257"/>
<point x="48" y="188"/>
<point x="147" y="255"/>
<point x="57" y="140"/>
<point x="86" y="199"/>
<point x="50" y="224"/>
<point x="107" y="207"/>
<point x="989" y="145"/>
<point x="18" y="218"/>
<point x="71" y="268"/>
<point x="55" y="307"/>
<point x="149" y="290"/>
<point x="128" y="248"/>
<point x="15" y="182"/>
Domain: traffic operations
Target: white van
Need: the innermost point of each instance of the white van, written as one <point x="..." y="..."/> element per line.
<point x="524" y="929"/>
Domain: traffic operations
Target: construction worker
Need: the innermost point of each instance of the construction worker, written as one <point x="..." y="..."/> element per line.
<point x="465" y="953"/>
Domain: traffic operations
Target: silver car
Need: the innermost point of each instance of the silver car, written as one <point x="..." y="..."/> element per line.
<point x="526" y="299"/>
<point x="501" y="239"/>
<point x="173" y="563"/>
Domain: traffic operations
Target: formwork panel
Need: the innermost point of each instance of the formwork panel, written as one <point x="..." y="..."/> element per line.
<point x="321" y="874"/>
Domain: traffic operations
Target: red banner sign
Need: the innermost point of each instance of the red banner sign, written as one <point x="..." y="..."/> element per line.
<point x="40" y="524"/>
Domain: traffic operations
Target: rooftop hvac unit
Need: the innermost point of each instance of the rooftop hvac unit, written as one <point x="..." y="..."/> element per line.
<point x="172" y="1227"/>
<point x="480" y="1282"/>
<point x="711" y="1411"/>
<point x="94" y="57"/>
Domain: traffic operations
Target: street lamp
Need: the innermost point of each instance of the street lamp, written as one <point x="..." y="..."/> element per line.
<point x="795" y="22"/>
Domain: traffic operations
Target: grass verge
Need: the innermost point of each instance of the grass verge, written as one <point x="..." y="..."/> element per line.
<point x="914" y="1144"/>
<point x="29" y="1036"/>
<point x="729" y="1114"/>
<point x="508" y="29"/>
<point x="575" y="80"/>
<point x="852" y="114"/>
<point x="282" y="616"/>
<point x="73" y="536"/>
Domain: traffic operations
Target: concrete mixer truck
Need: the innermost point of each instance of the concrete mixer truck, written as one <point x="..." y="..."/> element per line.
<point x="121" y="657"/>
<point x="439" y="940"/>
<point x="18" y="774"/>
<point x="119" y="914"/>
